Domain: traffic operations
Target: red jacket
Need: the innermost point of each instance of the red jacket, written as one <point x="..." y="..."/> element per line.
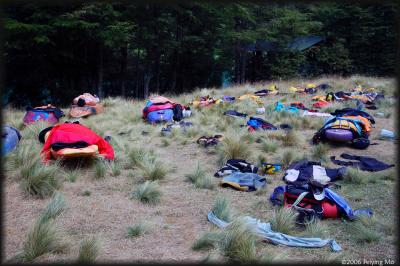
<point x="71" y="133"/>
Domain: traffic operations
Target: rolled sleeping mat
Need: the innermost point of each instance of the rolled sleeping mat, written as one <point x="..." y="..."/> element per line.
<point x="338" y="135"/>
<point x="67" y="153"/>
<point x="10" y="139"/>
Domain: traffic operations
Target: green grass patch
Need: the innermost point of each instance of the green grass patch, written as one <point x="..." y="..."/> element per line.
<point x="89" y="249"/>
<point x="148" y="192"/>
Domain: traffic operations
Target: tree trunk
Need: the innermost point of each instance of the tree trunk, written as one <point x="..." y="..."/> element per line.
<point x="243" y="66"/>
<point x="124" y="62"/>
<point x="147" y="78"/>
<point x="100" y="91"/>
<point x="137" y="74"/>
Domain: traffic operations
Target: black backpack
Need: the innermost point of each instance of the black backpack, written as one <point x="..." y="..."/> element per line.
<point x="178" y="112"/>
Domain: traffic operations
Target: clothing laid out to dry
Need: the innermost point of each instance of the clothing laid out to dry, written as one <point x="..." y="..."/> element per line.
<point x="362" y="162"/>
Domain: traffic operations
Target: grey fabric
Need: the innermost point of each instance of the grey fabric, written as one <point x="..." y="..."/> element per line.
<point x="250" y="180"/>
<point x="264" y="230"/>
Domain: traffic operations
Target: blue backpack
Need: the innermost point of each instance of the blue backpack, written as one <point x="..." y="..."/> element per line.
<point x="165" y="115"/>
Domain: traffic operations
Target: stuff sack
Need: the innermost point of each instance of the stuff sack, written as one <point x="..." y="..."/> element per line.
<point x="50" y="115"/>
<point x="160" y="116"/>
<point x="84" y="111"/>
<point x="308" y="207"/>
<point x="10" y="138"/>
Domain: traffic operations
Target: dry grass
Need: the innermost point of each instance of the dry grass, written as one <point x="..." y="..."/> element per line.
<point x="222" y="210"/>
<point x="44" y="236"/>
<point x="100" y="205"/>
<point x="148" y="192"/>
<point x="207" y="241"/>
<point x="284" y="220"/>
<point x="319" y="152"/>
<point x="89" y="249"/>
<point x="38" y="179"/>
<point x="239" y="242"/>
<point x="364" y="230"/>
<point x="355" y="176"/>
<point x="137" y="230"/>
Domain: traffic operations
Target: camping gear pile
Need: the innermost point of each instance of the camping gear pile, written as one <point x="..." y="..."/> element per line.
<point x="309" y="88"/>
<point x="166" y="131"/>
<point x="203" y="101"/>
<point x="48" y="113"/>
<point x="252" y="97"/>
<point x="272" y="90"/>
<point x="10" y="138"/>
<point x="160" y="109"/>
<point x="256" y="123"/>
<point x="307" y="191"/>
<point x="209" y="140"/>
<point x="85" y="105"/>
<point x="71" y="140"/>
<point x="234" y="113"/>
<point x="240" y="175"/>
<point x="347" y="126"/>
<point x="225" y="99"/>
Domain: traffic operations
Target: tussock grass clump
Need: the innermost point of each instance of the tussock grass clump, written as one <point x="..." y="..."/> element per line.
<point x="39" y="179"/>
<point x="233" y="147"/>
<point x="88" y="250"/>
<point x="205" y="182"/>
<point x="164" y="143"/>
<point x="319" y="152"/>
<point x="137" y="154"/>
<point x="71" y="174"/>
<point x="333" y="258"/>
<point x="54" y="208"/>
<point x="364" y="230"/>
<point x="99" y="169"/>
<point x="222" y="210"/>
<point x="207" y="241"/>
<point x="287" y="157"/>
<point x="239" y="242"/>
<point x="355" y="176"/>
<point x="315" y="228"/>
<point x="389" y="174"/>
<point x="148" y="192"/>
<point x="44" y="237"/>
<point x="23" y="155"/>
<point x="146" y="161"/>
<point x="195" y="175"/>
<point x="317" y="123"/>
<point x="86" y="193"/>
<point x="272" y="257"/>
<point x="152" y="170"/>
<point x="269" y="145"/>
<point x="32" y="131"/>
<point x="284" y="220"/>
<point x="291" y="138"/>
<point x="137" y="230"/>
<point x="114" y="168"/>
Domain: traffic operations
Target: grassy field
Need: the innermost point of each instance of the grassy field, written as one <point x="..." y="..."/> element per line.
<point x="151" y="203"/>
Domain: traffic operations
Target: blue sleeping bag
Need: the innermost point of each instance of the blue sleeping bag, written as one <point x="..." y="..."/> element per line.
<point x="165" y="115"/>
<point x="10" y="138"/>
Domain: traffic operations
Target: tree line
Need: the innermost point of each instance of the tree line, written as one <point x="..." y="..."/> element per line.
<point x="54" y="52"/>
